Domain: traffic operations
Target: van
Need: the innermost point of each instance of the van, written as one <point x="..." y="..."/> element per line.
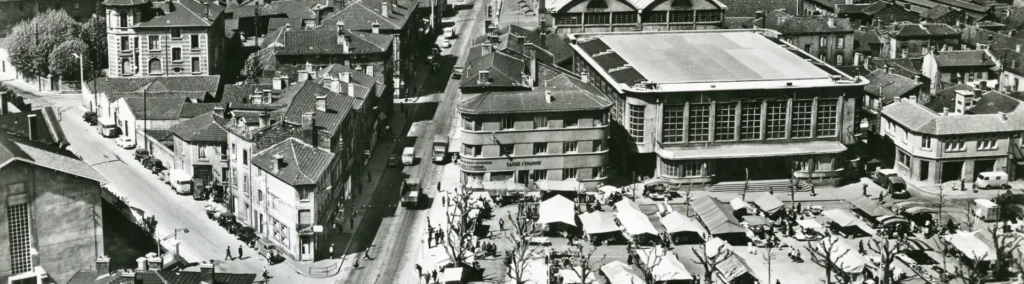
<point x="987" y="180"/>
<point x="181" y="182"/>
<point x="449" y="32"/>
<point x="408" y="156"/>
<point x="106" y="127"/>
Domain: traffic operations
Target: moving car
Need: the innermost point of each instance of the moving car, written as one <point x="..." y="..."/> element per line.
<point x="987" y="180"/>
<point x="457" y="72"/>
<point x="106" y="127"/>
<point x="440" y="147"/>
<point x="408" y="156"/>
<point x="126" y="142"/>
<point x="449" y="32"/>
<point x="393" y="160"/>
<point x="446" y="43"/>
<point x="882" y="177"/>
<point x="411" y="193"/>
<point x="898" y="188"/>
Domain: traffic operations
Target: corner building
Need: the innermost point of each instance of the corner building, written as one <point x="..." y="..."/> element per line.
<point x="709" y="106"/>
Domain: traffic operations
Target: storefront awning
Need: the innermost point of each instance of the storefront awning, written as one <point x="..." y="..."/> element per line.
<point x="664" y="263"/>
<point x="870" y="207"/>
<point x="841" y="217"/>
<point x="737" y="151"/>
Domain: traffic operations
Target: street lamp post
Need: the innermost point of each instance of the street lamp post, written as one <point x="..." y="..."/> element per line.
<point x="81" y="78"/>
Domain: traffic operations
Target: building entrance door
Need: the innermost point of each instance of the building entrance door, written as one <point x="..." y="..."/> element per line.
<point x="924" y="171"/>
<point x="952" y="170"/>
<point x="756" y="169"/>
<point x="981" y="166"/>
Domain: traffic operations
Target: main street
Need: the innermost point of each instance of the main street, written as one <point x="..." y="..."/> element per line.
<point x="399" y="239"/>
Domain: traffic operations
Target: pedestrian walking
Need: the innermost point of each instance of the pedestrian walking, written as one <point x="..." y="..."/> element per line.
<point x="771" y="190"/>
<point x="366" y="254"/>
<point x="812" y="191"/>
<point x="239" y="251"/>
<point x="228" y="256"/>
<point x="865" y="190"/>
<point x="355" y="264"/>
<point x="419" y="270"/>
<point x="435" y="275"/>
<point x="501" y="224"/>
<point x="266" y="274"/>
<point x="351" y="222"/>
<point x="331" y="250"/>
<point x="430" y="239"/>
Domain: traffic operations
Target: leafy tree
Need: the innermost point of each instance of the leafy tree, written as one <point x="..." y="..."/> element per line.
<point x="63" y="61"/>
<point x="252" y="70"/>
<point x="94" y="34"/>
<point x="1005" y="243"/>
<point x="32" y="41"/>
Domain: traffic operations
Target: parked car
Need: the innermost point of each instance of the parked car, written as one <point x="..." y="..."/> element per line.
<point x="90" y="117"/>
<point x="446" y="43"/>
<point x="126" y="142"/>
<point x="141" y="154"/>
<point x="898" y="188"/>
<point x="248" y="236"/>
<point x="987" y="180"/>
<point x="457" y="72"/>
<point x="882" y="177"/>
<point x="393" y="160"/>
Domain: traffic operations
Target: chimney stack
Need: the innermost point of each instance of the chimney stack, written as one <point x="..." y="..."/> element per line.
<point x="208" y="270"/>
<point x="33" y="119"/>
<point x="335" y="85"/>
<point x="264" y="119"/>
<point x="155" y="262"/>
<point x="945" y="111"/>
<point x="375" y="27"/>
<point x="548" y="97"/>
<point x="1018" y="48"/>
<point x="346" y="77"/>
<point x="278" y="162"/>
<point x="321" y="99"/>
<point x="369" y="70"/>
<point x="585" y="77"/>
<point x="342" y="37"/>
<point x="484" y="77"/>
<point x="351" y="91"/>
<point x="831" y="22"/>
<point x="103" y="265"/>
<point x="307" y="120"/>
<point x="280" y="82"/>
<point x="385" y="9"/>
<point x="143" y="264"/>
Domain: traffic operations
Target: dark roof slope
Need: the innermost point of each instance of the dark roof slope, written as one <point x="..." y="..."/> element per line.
<point x="568" y="94"/>
<point x="890" y="85"/>
<point x="338" y="106"/>
<point x="964" y="58"/>
<point x="197" y="109"/>
<point x="15" y="148"/>
<point x="971" y="36"/>
<point x="206" y="128"/>
<point x="923" y="30"/>
<point x="195" y="87"/>
<point x="302" y="164"/>
<point x="184" y="13"/>
<point x="503" y="70"/>
<point x="815" y="25"/>
<point x="360" y="15"/>
<point x="994" y="102"/>
<point x="124" y="2"/>
<point x="155" y="108"/>
<point x="937" y="12"/>
<point x="945" y="98"/>
<point x="1011" y="60"/>
<point x="47" y="129"/>
<point x="325" y="42"/>
<point x="746" y="8"/>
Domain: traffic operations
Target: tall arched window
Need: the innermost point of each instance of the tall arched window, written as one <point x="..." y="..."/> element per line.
<point x="126" y="67"/>
<point x="122" y="17"/>
<point x="155" y="67"/>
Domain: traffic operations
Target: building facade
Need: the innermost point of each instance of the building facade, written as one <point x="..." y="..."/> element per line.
<point x="948" y="68"/>
<point x="828" y="39"/>
<point x="164" y="38"/>
<point x="629" y="15"/>
<point x="914" y="40"/>
<point x="200" y="148"/>
<point x="735" y="118"/>
<point x="936" y="147"/>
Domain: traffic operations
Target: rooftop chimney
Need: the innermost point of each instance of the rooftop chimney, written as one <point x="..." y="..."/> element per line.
<point x="278" y="162"/>
<point x="369" y="70"/>
<point x="103" y="265"/>
<point x="155" y="262"/>
<point x="280" y="82"/>
<point x="303" y="75"/>
<point x="335" y="85"/>
<point x="264" y="119"/>
<point x="375" y="27"/>
<point x="585" y="77"/>
<point x="208" y="270"/>
<point x="484" y="77"/>
<point x="1018" y="48"/>
<point x="1002" y="115"/>
<point x="342" y="36"/>
<point x="307" y="120"/>
<point x="945" y="111"/>
<point x="345" y="77"/>
<point x="548" y="97"/>
<point x="351" y="92"/>
<point x="831" y="22"/>
<point x="33" y="119"/>
<point x="143" y="264"/>
<point x="219" y="111"/>
<point x="964" y="101"/>
<point x="487" y="48"/>
<point x="384" y="9"/>
<point x="321" y="99"/>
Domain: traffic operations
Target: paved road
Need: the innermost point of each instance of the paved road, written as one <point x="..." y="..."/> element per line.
<point x="206" y="240"/>
<point x="399" y="238"/>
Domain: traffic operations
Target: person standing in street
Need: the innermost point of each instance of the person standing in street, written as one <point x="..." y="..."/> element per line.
<point x="501" y="224"/>
<point x="351" y="222"/>
<point x="331" y="250"/>
<point x="239" y="251"/>
<point x="228" y="256"/>
<point x="419" y="270"/>
<point x="266" y="275"/>
<point x="865" y="190"/>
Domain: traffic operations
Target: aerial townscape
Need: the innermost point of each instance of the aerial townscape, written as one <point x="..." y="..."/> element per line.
<point x="511" y="141"/>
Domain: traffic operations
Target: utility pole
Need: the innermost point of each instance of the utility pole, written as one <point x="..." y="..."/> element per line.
<point x="81" y="76"/>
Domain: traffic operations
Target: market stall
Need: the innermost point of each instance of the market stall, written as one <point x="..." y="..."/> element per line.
<point x="770" y="205"/>
<point x="636" y="226"/>
<point x="682" y="229"/>
<point x="617" y="272"/>
<point x="869" y="208"/>
<point x="969" y="246"/>
<point x="600" y="226"/>
<point x="732" y="269"/>
<point x="557" y="214"/>
<point x="718" y="220"/>
<point x="841" y="254"/>
<point x="739" y="206"/>
<point x="663" y="265"/>
<point x="843" y="222"/>
<point x="572" y="276"/>
<point x="809" y="230"/>
<point x="569" y="188"/>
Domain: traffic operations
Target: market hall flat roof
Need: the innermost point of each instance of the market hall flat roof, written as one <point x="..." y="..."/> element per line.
<point x="695" y="57"/>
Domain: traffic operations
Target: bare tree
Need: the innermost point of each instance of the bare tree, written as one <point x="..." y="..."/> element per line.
<point x="518" y="258"/>
<point x="583" y="262"/>
<point x="973" y="271"/>
<point x="826" y="253"/>
<point x="887" y="251"/>
<point x="460" y="227"/>
<point x="768" y="257"/>
<point x="710" y="261"/>
<point x="1005" y="244"/>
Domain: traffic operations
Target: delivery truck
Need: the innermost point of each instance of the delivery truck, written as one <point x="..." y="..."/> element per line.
<point x="440" y="147"/>
<point x="408" y="156"/>
<point x="411" y="193"/>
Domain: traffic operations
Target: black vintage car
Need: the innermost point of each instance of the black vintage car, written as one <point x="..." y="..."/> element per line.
<point x="248" y="236"/>
<point x="90" y="117"/>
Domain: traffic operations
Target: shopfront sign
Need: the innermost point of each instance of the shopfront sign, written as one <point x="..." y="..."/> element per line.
<point x="553" y="162"/>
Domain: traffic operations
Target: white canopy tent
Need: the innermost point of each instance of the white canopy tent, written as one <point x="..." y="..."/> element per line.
<point x="971" y="246"/>
<point x="664" y="264"/>
<point x="536" y="272"/>
<point x="635" y="223"/>
<point x="675" y="222"/>
<point x="569" y="185"/>
<point x="557" y="209"/>
<point x="738" y="204"/>
<point x="810" y="224"/>
<point x="620" y="273"/>
<point x="598" y="222"/>
<point x="842" y="254"/>
<point x="572" y="276"/>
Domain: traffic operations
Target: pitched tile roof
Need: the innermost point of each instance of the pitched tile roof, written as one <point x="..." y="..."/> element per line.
<point x="866" y="9"/>
<point x="815" y="25"/>
<point x="207" y="127"/>
<point x="291" y="9"/>
<point x="746" y="8"/>
<point x="738" y="22"/>
<point x="195" y="87"/>
<point x="971" y="36"/>
<point x="937" y="12"/>
<point x="338" y="106"/>
<point x="891" y="85"/>
<point x="197" y="109"/>
<point x="237" y="94"/>
<point x="184" y="13"/>
<point x="276" y="23"/>
<point x="47" y="128"/>
<point x="124" y="2"/>
<point x="994" y="102"/>
<point x="919" y="119"/>
<point x="945" y="98"/>
<point x="503" y="70"/>
<point x="325" y="42"/>
<point x="303" y="164"/>
<point x="194" y="277"/>
<point x="15" y="148"/>
<point x="155" y="108"/>
<point x="159" y="277"/>
<point x="568" y="93"/>
<point x="923" y="30"/>
<point x="360" y="15"/>
<point x="906" y="67"/>
<point x="1010" y="60"/>
<point x="964" y="58"/>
